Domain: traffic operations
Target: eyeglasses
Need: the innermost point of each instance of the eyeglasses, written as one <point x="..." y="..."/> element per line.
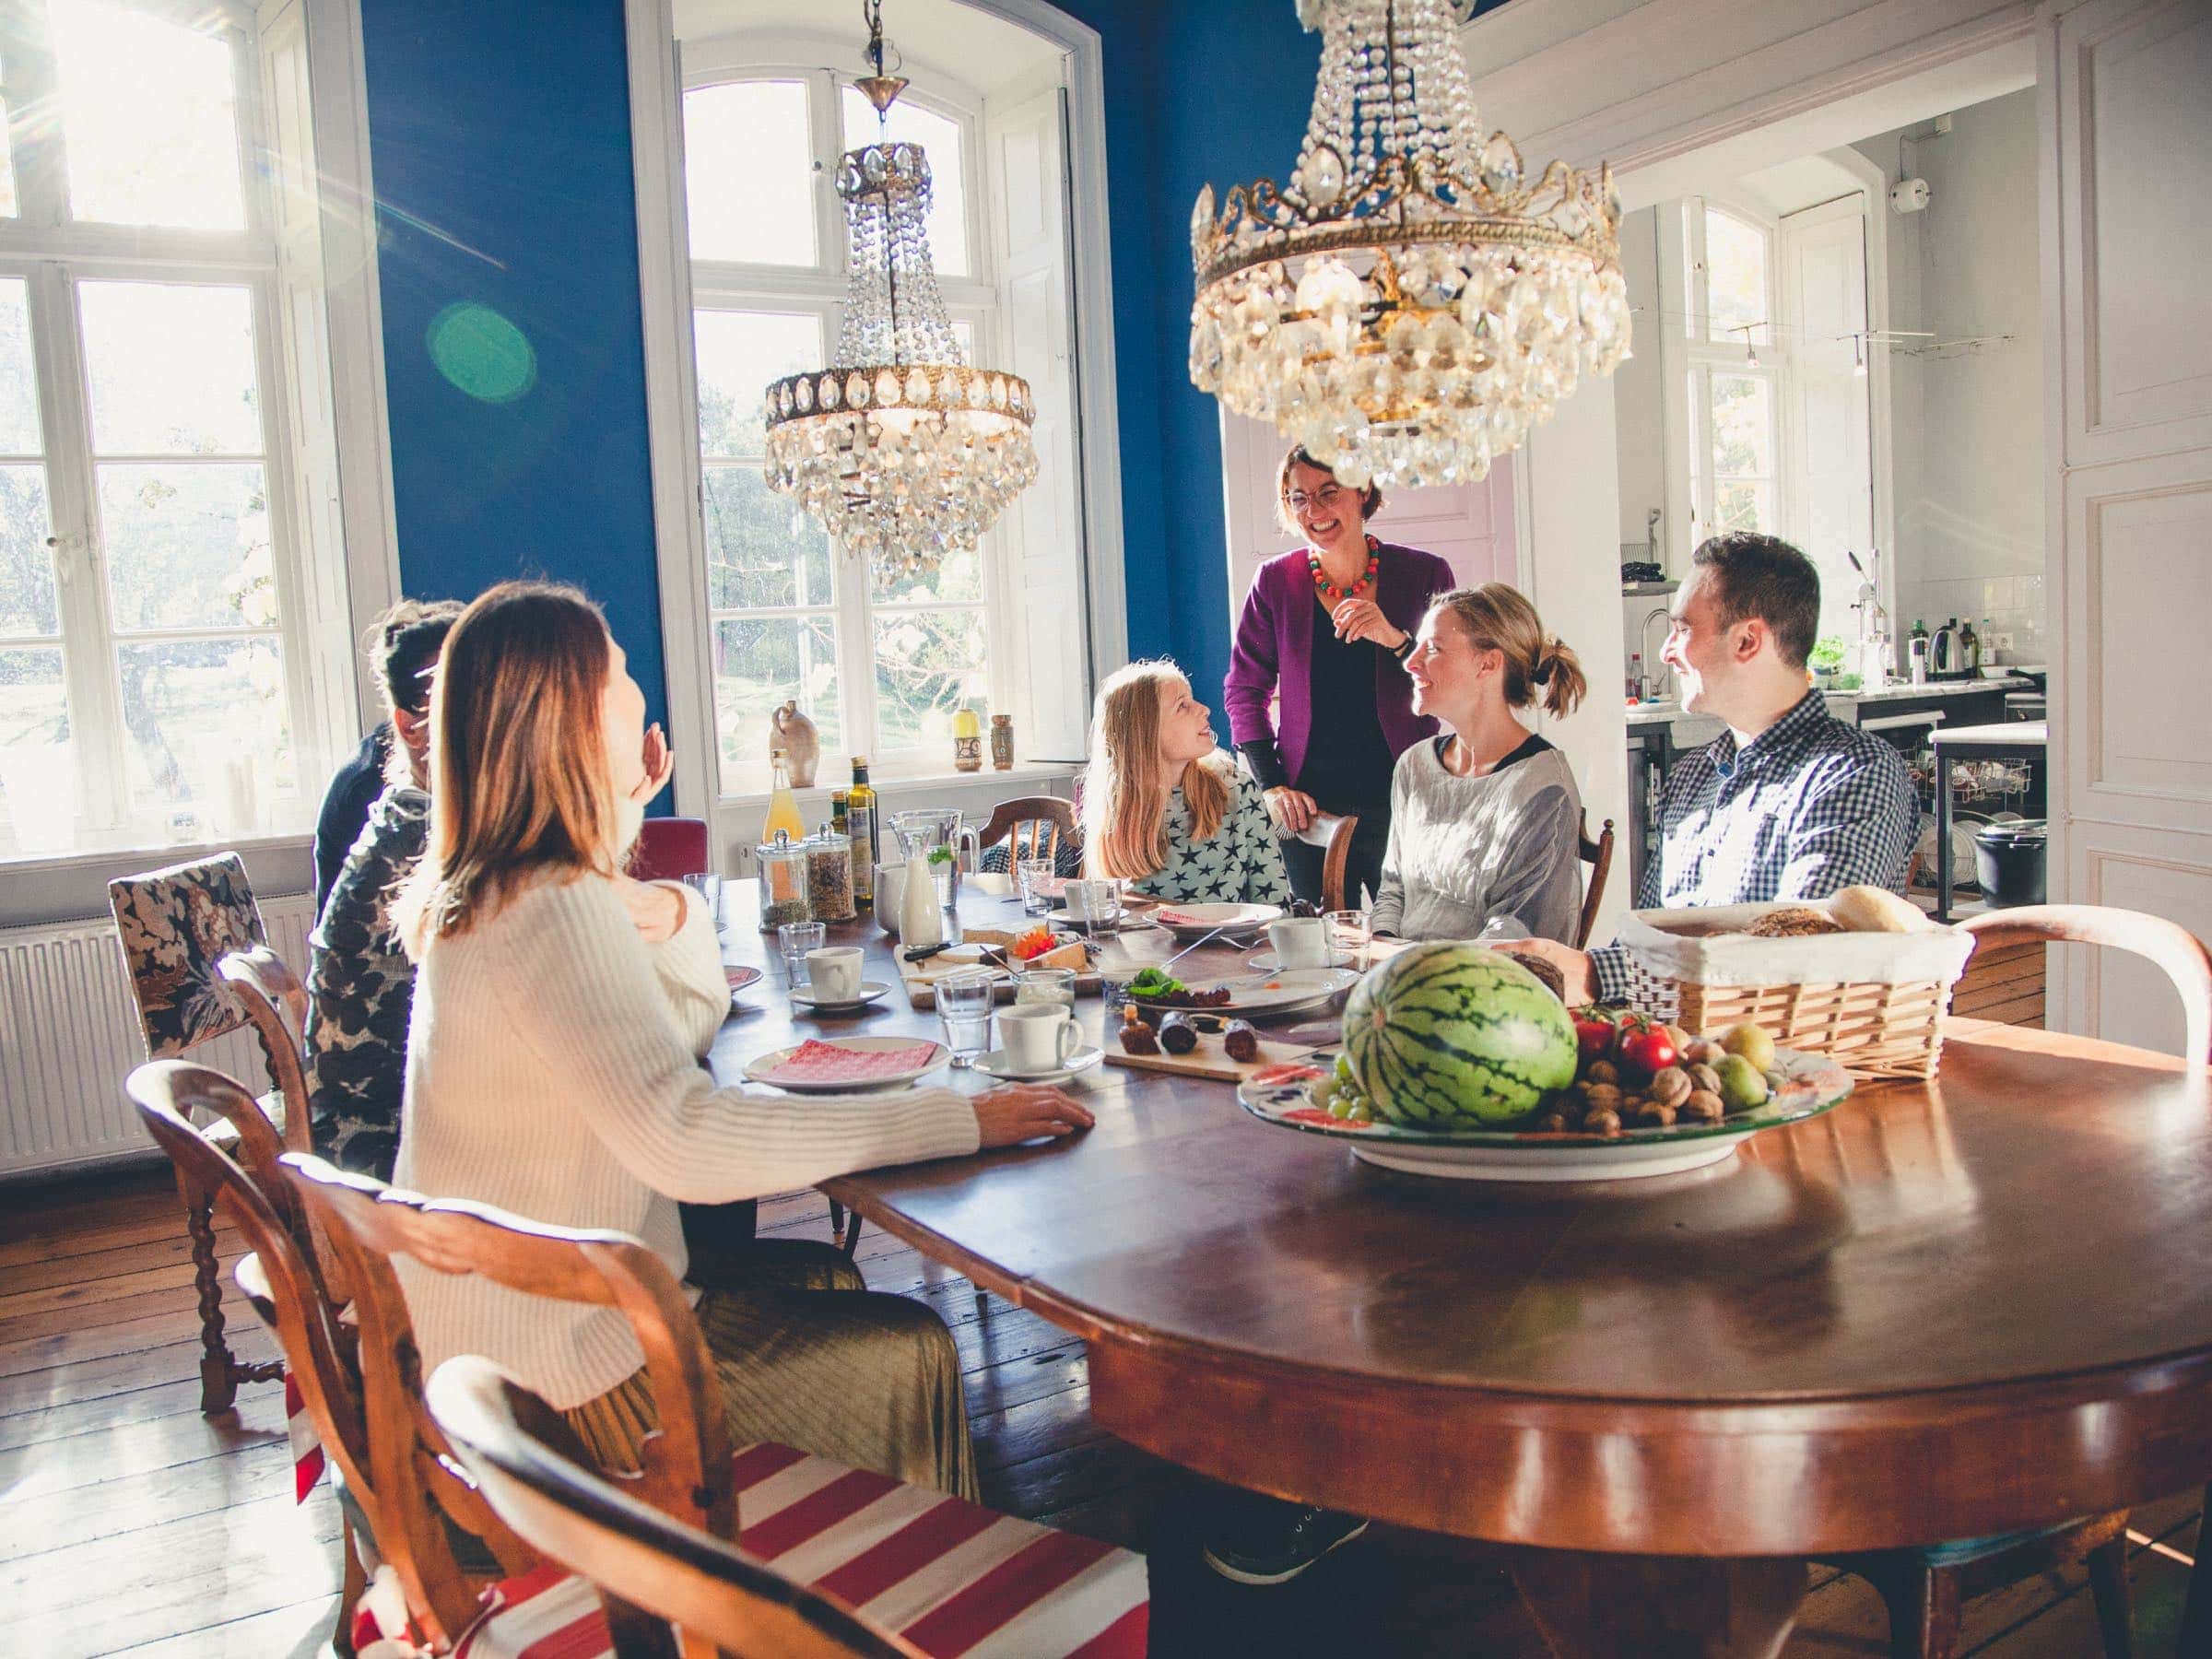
<point x="1324" y="497"/>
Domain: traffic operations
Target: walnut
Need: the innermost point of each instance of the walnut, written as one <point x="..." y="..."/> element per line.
<point x="1702" y="1050"/>
<point x="1602" y="1122"/>
<point x="1669" y="1088"/>
<point x="1601" y="1097"/>
<point x="1705" y="1077"/>
<point x="1655" y="1115"/>
<point x="1703" y="1106"/>
<point x="1552" y="1123"/>
<point x="1601" y="1071"/>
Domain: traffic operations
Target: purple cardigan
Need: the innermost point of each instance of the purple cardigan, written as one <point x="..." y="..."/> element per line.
<point x="1274" y="651"/>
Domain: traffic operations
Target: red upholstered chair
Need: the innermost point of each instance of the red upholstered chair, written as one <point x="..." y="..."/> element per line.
<point x="670" y="847"/>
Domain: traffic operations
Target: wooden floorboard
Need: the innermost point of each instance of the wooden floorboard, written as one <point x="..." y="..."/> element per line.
<point x="131" y="1524"/>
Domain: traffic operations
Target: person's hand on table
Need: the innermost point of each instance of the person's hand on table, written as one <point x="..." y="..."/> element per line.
<point x="1363" y="619"/>
<point x="657" y="909"/>
<point x="1020" y="1112"/>
<point x="1573" y="966"/>
<point x="1292" y="809"/>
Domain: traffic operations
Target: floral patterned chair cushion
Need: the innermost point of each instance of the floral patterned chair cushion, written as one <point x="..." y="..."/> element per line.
<point x="176" y="924"/>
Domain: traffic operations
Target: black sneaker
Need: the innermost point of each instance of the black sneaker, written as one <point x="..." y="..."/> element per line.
<point x="1275" y="1547"/>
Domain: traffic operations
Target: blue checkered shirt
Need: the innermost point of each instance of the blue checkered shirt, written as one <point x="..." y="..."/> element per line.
<point x="1809" y="807"/>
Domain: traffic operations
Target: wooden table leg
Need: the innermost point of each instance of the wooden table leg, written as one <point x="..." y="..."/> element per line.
<point x="1607" y="1606"/>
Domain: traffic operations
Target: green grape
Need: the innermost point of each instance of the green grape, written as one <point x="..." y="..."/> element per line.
<point x="1361" y="1112"/>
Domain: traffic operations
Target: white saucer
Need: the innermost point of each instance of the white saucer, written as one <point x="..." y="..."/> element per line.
<point x="993" y="1064"/>
<point x="1267" y="961"/>
<point x="869" y="990"/>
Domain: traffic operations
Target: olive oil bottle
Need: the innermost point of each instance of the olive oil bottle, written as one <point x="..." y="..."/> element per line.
<point x="860" y="824"/>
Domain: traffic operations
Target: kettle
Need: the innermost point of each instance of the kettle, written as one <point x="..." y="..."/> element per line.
<point x="1947" y="654"/>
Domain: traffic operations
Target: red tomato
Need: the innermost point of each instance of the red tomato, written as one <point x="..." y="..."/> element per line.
<point x="1594" y="1035"/>
<point x="1647" y="1048"/>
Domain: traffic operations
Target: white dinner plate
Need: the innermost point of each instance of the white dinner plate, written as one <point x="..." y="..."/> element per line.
<point x="995" y="1065"/>
<point x="1265" y="995"/>
<point x="1267" y="962"/>
<point x="742" y="978"/>
<point x="869" y="990"/>
<point x="759" y="1070"/>
<point x="1208" y="918"/>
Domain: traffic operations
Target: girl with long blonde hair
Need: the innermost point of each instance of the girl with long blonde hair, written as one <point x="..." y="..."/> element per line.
<point x="562" y="1011"/>
<point x="1163" y="808"/>
<point x="1485" y="819"/>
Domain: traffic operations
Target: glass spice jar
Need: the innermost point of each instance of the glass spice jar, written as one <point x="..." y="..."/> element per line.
<point x="830" y="876"/>
<point x="1002" y="742"/>
<point x="783" y="882"/>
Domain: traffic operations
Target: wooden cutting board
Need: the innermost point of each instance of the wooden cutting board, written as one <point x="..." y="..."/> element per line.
<point x="1207" y="1060"/>
<point x="920" y="978"/>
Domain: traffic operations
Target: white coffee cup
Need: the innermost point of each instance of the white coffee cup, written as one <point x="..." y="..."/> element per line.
<point x="1037" y="1037"/>
<point x="1300" y="942"/>
<point x="834" y="972"/>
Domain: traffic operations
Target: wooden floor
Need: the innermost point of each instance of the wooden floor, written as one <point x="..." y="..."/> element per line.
<point x="129" y="1522"/>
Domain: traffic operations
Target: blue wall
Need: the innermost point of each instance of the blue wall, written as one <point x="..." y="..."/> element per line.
<point x="499" y="135"/>
<point x="499" y="144"/>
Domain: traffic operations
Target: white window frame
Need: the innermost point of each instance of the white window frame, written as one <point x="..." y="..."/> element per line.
<point x="334" y="557"/>
<point x="819" y="292"/>
<point x="1698" y="353"/>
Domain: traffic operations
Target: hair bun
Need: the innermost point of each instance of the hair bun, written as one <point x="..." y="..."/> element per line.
<point x="1546" y="663"/>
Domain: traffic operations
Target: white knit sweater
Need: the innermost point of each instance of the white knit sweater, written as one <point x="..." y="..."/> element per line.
<point x="553" y="1071"/>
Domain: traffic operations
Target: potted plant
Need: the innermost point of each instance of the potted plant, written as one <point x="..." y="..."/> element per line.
<point x="1827" y="661"/>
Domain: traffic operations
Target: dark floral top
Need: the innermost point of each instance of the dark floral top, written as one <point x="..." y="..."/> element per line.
<point x="1242" y="864"/>
<point x="363" y="989"/>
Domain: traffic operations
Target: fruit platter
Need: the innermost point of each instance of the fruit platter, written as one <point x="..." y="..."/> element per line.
<point x="1458" y="1062"/>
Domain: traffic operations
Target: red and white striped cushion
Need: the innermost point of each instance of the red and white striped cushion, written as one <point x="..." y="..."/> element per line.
<point x="949" y="1576"/>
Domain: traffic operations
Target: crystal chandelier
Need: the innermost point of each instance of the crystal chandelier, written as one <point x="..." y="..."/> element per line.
<point x="900" y="449"/>
<point x="1411" y="303"/>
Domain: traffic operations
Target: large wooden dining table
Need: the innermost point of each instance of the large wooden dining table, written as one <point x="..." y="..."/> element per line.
<point x="1943" y="1311"/>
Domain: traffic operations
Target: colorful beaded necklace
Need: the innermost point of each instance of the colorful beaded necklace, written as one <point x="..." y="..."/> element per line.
<point x="1329" y="591"/>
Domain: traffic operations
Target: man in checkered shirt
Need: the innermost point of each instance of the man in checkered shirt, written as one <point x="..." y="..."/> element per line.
<point x="1790" y="802"/>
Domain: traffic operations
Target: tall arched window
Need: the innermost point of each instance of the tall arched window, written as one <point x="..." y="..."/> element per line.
<point x="1735" y="392"/>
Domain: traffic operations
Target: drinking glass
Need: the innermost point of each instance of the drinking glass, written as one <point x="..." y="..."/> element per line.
<point x="1029" y="876"/>
<point x="794" y="940"/>
<point x="1095" y="905"/>
<point x="964" y="1010"/>
<point x="709" y="886"/>
<point x="1349" y="931"/>
<point x="1047" y="985"/>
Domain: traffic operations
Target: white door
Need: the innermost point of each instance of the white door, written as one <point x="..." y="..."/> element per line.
<point x="2126" y="119"/>
<point x="1470" y="526"/>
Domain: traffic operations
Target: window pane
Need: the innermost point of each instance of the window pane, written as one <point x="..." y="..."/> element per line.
<point x="739" y="354"/>
<point x="18" y="373"/>
<point x="927" y="664"/>
<point x="1744" y="506"/>
<point x="958" y="580"/>
<point x="38" y="784"/>
<point x="26" y="561"/>
<point x="172" y="368"/>
<point x="940" y="135"/>
<point x="8" y="168"/>
<point x="149" y="117"/>
<point x="748" y="172"/>
<point x="762" y="666"/>
<point x="1735" y="275"/>
<point x="754" y="558"/>
<point x="1743" y="427"/>
<point x="187" y="547"/>
<point x="190" y="707"/>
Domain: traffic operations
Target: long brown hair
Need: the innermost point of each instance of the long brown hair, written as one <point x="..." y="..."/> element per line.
<point x="1497" y="617"/>
<point x="1124" y="804"/>
<point x="518" y="757"/>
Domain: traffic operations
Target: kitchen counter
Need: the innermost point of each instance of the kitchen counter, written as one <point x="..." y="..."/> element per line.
<point x="1958" y="687"/>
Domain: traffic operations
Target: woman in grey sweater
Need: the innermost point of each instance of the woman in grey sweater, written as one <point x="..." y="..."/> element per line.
<point x="1485" y="819"/>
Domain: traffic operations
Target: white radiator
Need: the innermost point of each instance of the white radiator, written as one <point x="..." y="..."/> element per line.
<point x="69" y="1035"/>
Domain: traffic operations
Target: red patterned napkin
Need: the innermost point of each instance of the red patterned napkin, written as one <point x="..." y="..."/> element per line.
<point x="818" y="1061"/>
<point x="1175" y="918"/>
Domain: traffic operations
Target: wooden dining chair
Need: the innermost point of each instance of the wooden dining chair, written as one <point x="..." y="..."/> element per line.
<point x="1032" y="826"/>
<point x="279" y="1276"/>
<point x="1066" y="1590"/>
<point x="1924" y="1589"/>
<point x="176" y="925"/>
<point x="1335" y="859"/>
<point x="1599" y="855"/>
<point x="639" y="1557"/>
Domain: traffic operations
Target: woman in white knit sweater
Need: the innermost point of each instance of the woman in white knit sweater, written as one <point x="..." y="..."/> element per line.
<point x="561" y="1010"/>
<point x="1485" y="821"/>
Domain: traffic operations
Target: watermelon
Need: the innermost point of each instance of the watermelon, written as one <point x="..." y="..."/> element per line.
<point x="1450" y="1036"/>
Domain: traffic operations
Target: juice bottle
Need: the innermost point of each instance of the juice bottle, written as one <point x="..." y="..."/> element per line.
<point x="783" y="809"/>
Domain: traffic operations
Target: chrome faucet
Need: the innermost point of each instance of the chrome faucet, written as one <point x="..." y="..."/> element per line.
<point x="1658" y="670"/>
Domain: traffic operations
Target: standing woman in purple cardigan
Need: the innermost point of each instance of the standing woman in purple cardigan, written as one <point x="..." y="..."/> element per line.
<point x="1323" y="638"/>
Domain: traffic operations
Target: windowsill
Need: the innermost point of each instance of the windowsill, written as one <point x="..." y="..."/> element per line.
<point x="1030" y="771"/>
<point x="153" y="855"/>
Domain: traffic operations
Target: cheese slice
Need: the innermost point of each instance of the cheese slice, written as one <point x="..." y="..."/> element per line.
<point x="1071" y="954"/>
